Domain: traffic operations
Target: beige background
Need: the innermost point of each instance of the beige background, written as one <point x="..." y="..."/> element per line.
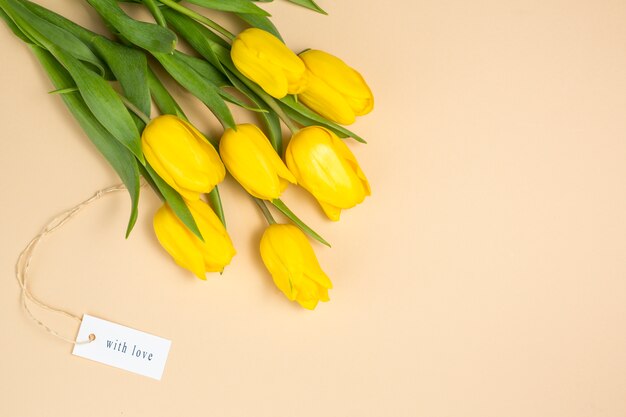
<point x="486" y="276"/>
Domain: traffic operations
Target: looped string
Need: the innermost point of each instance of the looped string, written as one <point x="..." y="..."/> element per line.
<point x="23" y="264"/>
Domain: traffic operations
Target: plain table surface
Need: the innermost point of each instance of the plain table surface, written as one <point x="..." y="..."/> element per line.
<point x="485" y="277"/>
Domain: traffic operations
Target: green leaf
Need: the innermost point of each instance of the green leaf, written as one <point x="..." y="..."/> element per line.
<point x="130" y="67"/>
<point x="64" y="90"/>
<point x="163" y="99"/>
<point x="199" y="37"/>
<point x="309" y="4"/>
<point x="203" y="68"/>
<point x="103" y="101"/>
<point x="61" y="38"/>
<point x="80" y="32"/>
<point x="149" y="36"/>
<point x="307" y="117"/>
<point x="261" y="22"/>
<point x="14" y="28"/>
<point x="198" y="86"/>
<point x="239" y="6"/>
<point x="282" y="207"/>
<point x="122" y="161"/>
<point x="175" y="201"/>
<point x="216" y="204"/>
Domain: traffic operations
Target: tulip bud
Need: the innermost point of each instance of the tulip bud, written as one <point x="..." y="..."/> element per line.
<point x="186" y="248"/>
<point x="325" y="167"/>
<point x="289" y="257"/>
<point x="182" y="156"/>
<point x="335" y="90"/>
<point x="251" y="160"/>
<point x="266" y="60"/>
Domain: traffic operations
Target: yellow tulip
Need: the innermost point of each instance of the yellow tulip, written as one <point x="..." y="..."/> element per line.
<point x="325" y="167"/>
<point x="289" y="257"/>
<point x="250" y="158"/>
<point x="186" y="248"/>
<point x="182" y="156"/>
<point x="335" y="90"/>
<point x="266" y="60"/>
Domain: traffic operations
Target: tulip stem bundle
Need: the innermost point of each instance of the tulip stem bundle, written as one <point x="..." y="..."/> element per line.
<point x="313" y="94"/>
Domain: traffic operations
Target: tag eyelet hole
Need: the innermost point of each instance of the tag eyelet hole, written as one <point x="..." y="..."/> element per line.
<point x="92" y="337"/>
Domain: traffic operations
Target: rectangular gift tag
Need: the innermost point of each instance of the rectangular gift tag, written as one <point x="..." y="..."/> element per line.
<point x="122" y="347"/>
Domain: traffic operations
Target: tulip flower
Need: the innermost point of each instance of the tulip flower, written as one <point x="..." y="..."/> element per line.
<point x="266" y="60"/>
<point x="186" y="248"/>
<point x="289" y="257"/>
<point x="335" y="90"/>
<point x="250" y="158"/>
<point x="182" y="156"/>
<point x="325" y="167"/>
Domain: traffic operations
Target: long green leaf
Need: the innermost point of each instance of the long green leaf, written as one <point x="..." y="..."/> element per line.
<point x="216" y="204"/>
<point x="122" y="161"/>
<point x="130" y="67"/>
<point x="198" y="86"/>
<point x="282" y="207"/>
<point x="56" y="19"/>
<point x="175" y="201"/>
<point x="307" y="117"/>
<point x="103" y="101"/>
<point x="203" y="68"/>
<point x="61" y="38"/>
<point x="215" y="77"/>
<point x="261" y="22"/>
<point x="239" y="6"/>
<point x="163" y="99"/>
<point x="14" y="28"/>
<point x="309" y="4"/>
<point x="198" y="36"/>
<point x="149" y="36"/>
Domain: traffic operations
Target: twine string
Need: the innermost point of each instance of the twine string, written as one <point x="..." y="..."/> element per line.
<point x="22" y="265"/>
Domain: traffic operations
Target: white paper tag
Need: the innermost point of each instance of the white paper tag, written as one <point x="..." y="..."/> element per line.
<point x="122" y="347"/>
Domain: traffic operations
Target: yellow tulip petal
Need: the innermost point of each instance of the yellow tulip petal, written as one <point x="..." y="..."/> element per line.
<point x="289" y="257"/>
<point x="178" y="242"/>
<point x="266" y="60"/>
<point x="340" y="79"/>
<point x="181" y="156"/>
<point x="251" y="160"/>
<point x="332" y="212"/>
<point x="187" y="250"/>
<point x="326" y="101"/>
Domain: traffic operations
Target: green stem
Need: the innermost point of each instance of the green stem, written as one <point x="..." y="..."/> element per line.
<point x="264" y="210"/>
<point x="130" y="106"/>
<point x="198" y="17"/>
<point x="155" y="12"/>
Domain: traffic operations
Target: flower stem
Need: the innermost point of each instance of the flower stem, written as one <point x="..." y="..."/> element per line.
<point x="198" y="17"/>
<point x="135" y="110"/>
<point x="264" y="210"/>
<point x="156" y="12"/>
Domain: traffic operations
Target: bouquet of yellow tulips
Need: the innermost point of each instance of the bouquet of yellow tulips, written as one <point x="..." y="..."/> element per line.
<point x="314" y="94"/>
